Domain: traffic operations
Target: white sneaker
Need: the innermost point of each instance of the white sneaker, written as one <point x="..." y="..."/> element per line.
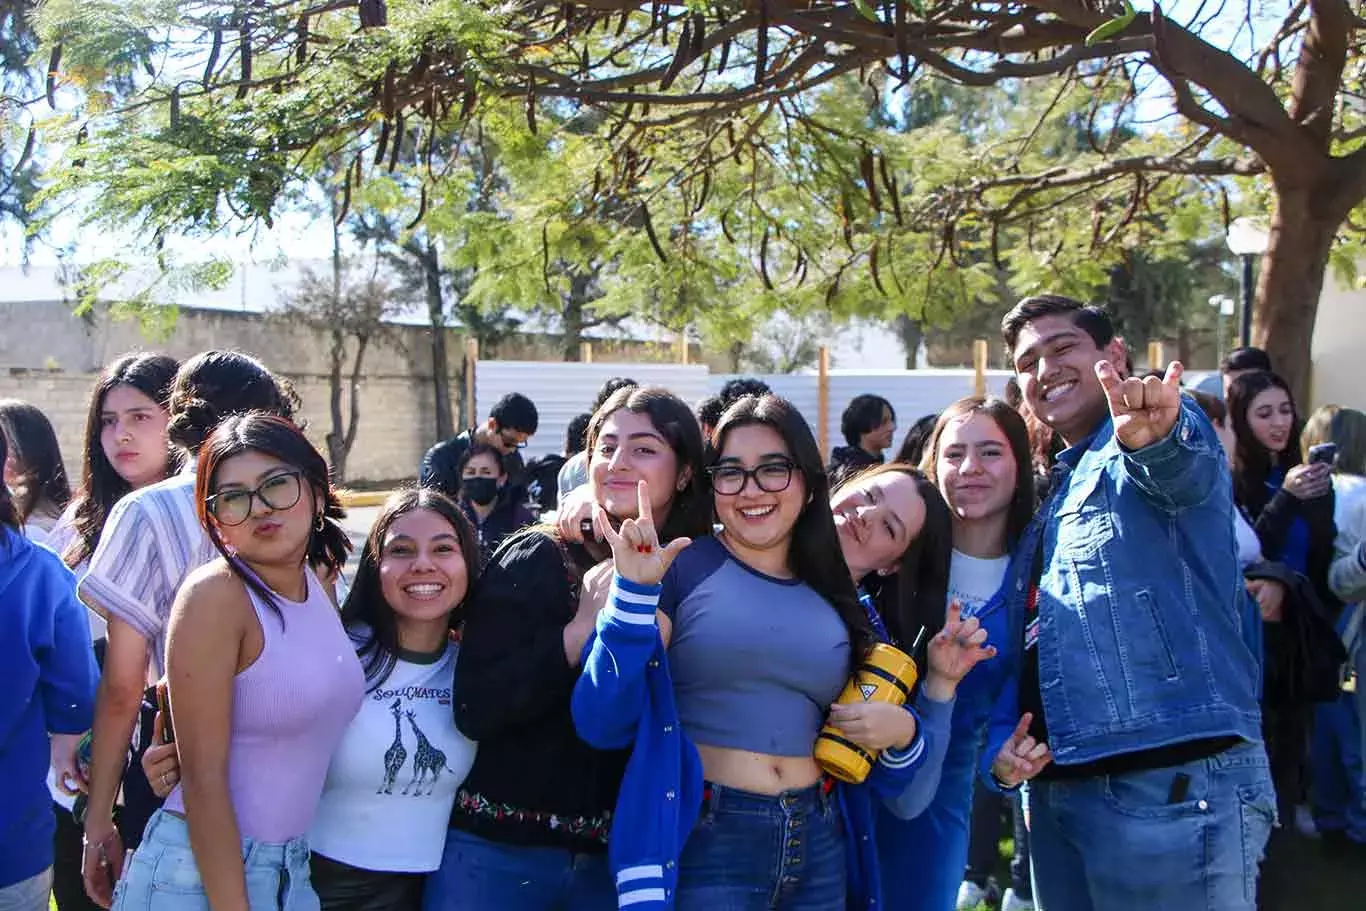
<point x="970" y="895"/>
<point x="1012" y="902"/>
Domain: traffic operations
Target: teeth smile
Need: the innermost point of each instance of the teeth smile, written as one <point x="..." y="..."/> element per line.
<point x="1060" y="389"/>
<point x="423" y="590"/>
<point x="757" y="512"/>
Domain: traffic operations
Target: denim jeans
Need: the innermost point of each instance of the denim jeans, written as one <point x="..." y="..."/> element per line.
<point x="481" y="875"/>
<point x="753" y="852"/>
<point x="1120" y="842"/>
<point x="27" y="894"/>
<point x="163" y="876"/>
<point x="1339" y="782"/>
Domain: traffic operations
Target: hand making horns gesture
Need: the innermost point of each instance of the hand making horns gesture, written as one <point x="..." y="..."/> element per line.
<point x="636" y="551"/>
<point x="1144" y="410"/>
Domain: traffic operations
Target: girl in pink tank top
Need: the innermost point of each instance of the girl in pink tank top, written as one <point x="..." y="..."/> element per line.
<point x="263" y="681"/>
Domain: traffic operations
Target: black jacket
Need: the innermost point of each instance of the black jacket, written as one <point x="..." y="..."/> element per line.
<point x="846" y="461"/>
<point x="513" y="686"/>
<point x="440" y="467"/>
<point x="1303" y="654"/>
<point x="507" y="517"/>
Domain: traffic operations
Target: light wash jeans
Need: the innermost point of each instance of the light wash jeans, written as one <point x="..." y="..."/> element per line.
<point x="163" y="876"/>
<point x="1119" y="843"/>
<point x="28" y="894"/>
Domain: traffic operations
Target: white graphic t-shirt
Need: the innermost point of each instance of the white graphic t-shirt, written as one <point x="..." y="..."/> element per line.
<point x="973" y="580"/>
<point x="387" y="800"/>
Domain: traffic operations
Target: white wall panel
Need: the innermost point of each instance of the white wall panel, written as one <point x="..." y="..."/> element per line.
<point x="563" y="389"/>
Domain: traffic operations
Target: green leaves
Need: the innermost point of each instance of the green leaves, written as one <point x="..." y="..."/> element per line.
<point x="1115" y="26"/>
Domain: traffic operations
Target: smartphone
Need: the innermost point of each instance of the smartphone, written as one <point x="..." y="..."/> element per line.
<point x="1323" y="454"/>
<point x="164" y="707"/>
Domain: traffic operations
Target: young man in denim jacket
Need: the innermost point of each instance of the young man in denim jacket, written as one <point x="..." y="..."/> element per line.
<point x="1137" y="666"/>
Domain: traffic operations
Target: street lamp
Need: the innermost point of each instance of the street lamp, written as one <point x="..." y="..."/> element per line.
<point x="1223" y="307"/>
<point x="1248" y="239"/>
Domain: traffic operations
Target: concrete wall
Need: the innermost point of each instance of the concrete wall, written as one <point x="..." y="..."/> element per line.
<point x="1339" y="348"/>
<point x="51" y="358"/>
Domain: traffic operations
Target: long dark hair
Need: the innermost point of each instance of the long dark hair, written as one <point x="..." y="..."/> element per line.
<point x="215" y="384"/>
<point x="366" y="615"/>
<point x="33" y="444"/>
<point x="9" y="515"/>
<point x="101" y="485"/>
<point x="1017" y="435"/>
<point x="690" y="514"/>
<point x="916" y="595"/>
<point x="1252" y="462"/>
<point x="276" y="437"/>
<point x="814" y="556"/>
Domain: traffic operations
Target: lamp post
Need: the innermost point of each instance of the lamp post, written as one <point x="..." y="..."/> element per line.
<point x="1223" y="306"/>
<point x="1247" y="239"/>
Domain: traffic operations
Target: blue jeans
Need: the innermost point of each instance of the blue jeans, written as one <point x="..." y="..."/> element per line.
<point x="481" y="875"/>
<point x="1339" y="783"/>
<point x="1118" y="842"/>
<point x="752" y="852"/>
<point x="163" y="876"/>
<point x="28" y="894"/>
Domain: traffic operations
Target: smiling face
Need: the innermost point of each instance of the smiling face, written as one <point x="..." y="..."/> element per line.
<point x="422" y="572"/>
<point x="877" y="517"/>
<point x="133" y="435"/>
<point x="628" y="450"/>
<point x="756" y="519"/>
<point x="282" y="508"/>
<point x="1271" y="416"/>
<point x="976" y="469"/>
<point x="1055" y="363"/>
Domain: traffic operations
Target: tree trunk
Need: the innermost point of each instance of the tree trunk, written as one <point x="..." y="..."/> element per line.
<point x="336" y="438"/>
<point x="737" y="354"/>
<point x="357" y="371"/>
<point x="1292" y="274"/>
<point x="574" y="316"/>
<point x="436" y="317"/>
<point x="910" y="333"/>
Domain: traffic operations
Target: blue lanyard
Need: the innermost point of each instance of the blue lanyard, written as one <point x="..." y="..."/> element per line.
<point x="879" y="628"/>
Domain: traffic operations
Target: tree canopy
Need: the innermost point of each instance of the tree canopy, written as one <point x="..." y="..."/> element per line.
<point x="719" y="159"/>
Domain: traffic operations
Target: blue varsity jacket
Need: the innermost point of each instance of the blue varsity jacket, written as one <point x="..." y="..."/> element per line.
<point x="624" y="697"/>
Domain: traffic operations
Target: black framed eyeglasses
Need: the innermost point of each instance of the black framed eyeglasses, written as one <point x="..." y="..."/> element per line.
<point x="770" y="477"/>
<point x="280" y="491"/>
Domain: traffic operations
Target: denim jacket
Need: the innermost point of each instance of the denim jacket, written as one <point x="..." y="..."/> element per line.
<point x="1141" y="600"/>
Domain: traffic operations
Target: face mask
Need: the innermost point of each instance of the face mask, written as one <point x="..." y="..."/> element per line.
<point x="481" y="491"/>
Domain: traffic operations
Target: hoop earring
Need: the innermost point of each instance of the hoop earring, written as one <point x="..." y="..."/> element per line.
<point x="321" y="524"/>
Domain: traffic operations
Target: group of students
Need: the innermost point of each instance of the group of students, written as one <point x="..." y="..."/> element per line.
<point x="621" y="707"/>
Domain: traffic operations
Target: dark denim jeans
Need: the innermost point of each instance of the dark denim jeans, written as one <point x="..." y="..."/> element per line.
<point x="753" y="852"/>
<point x="1119" y="843"/>
<point x="1339" y="783"/>
<point x="481" y="875"/>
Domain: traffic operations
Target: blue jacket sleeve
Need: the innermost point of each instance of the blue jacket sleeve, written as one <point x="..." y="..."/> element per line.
<point x="612" y="691"/>
<point x="68" y="673"/>
<point x="1180" y="470"/>
<point x="907" y="781"/>
<point x="1005" y="715"/>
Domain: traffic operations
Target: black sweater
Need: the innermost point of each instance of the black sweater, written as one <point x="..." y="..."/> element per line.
<point x="534" y="782"/>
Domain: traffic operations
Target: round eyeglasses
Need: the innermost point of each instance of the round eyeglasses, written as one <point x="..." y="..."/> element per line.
<point x="233" y="507"/>
<point x="770" y="477"/>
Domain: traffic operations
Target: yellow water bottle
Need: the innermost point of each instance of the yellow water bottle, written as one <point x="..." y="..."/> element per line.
<point x="887" y="675"/>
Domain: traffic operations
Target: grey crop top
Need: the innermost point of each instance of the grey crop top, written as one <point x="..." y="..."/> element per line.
<point x="756" y="661"/>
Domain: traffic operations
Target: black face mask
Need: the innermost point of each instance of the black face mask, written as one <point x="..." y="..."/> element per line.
<point x="481" y="491"/>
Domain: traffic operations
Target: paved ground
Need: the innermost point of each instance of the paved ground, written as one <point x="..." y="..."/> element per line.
<point x="358" y="522"/>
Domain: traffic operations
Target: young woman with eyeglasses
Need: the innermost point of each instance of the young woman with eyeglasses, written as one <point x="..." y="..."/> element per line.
<point x="530" y="824"/>
<point x="151" y="542"/>
<point x="263" y="680"/>
<point x="386" y="802"/>
<point x="720" y="662"/>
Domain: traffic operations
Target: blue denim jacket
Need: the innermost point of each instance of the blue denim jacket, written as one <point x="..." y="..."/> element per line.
<point x="1141" y="600"/>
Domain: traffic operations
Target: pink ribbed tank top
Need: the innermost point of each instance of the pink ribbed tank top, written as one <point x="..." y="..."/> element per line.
<point x="289" y="710"/>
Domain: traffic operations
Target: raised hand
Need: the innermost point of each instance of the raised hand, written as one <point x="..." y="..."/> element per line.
<point x="1021" y="757"/>
<point x="636" y="551"/>
<point x="958" y="647"/>
<point x="1144" y="410"/>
